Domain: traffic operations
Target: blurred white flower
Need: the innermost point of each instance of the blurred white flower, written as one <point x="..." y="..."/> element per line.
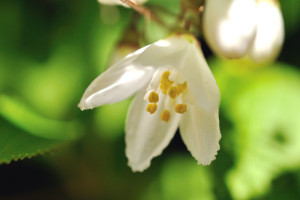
<point x="229" y="26"/>
<point x="119" y="2"/>
<point x="174" y="86"/>
<point x="235" y="28"/>
<point x="269" y="32"/>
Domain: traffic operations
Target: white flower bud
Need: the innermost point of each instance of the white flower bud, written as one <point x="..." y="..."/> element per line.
<point x="269" y="33"/>
<point x="229" y="26"/>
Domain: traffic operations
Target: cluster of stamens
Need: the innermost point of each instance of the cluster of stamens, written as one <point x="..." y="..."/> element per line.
<point x="172" y="90"/>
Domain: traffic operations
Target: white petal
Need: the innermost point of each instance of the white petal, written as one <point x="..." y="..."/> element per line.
<point x="200" y="80"/>
<point x="117" y="83"/>
<point x="154" y="83"/>
<point x="164" y="53"/>
<point x="229" y="26"/>
<point x="147" y="135"/>
<point x="132" y="73"/>
<point x="119" y="2"/>
<point x="200" y="132"/>
<point x="270" y="32"/>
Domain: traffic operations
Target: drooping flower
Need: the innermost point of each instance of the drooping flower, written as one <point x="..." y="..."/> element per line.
<point x="119" y="2"/>
<point x="229" y="26"/>
<point x="174" y="87"/>
<point x="236" y="28"/>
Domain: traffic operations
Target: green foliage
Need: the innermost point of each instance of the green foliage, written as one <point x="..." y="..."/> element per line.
<point x="264" y="109"/>
<point x="12" y="149"/>
<point x="290" y="10"/>
<point x="35" y="134"/>
<point x="106" y="34"/>
<point x="16" y="144"/>
<point x="41" y="88"/>
<point x="166" y="11"/>
<point x="23" y="117"/>
<point x="51" y="50"/>
<point x="181" y="178"/>
<point x="53" y="84"/>
<point x="114" y="128"/>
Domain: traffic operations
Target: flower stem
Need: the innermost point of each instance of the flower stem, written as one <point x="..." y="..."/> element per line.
<point x="144" y="11"/>
<point x="138" y="8"/>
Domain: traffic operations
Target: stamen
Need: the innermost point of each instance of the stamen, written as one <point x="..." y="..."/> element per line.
<point x="173" y="86"/>
<point x="165" y="82"/>
<point x="165" y="115"/>
<point x="181" y="87"/>
<point x="165" y="76"/>
<point x="151" y="108"/>
<point x="153" y="97"/>
<point x="173" y="92"/>
<point x="181" y="108"/>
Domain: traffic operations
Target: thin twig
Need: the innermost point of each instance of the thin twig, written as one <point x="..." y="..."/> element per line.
<point x="138" y="8"/>
<point x="144" y="11"/>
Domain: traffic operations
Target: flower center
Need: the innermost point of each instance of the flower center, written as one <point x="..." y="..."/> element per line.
<point x="172" y="89"/>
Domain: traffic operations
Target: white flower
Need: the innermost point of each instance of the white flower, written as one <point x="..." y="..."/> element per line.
<point x="235" y="28"/>
<point x="119" y="2"/>
<point x="229" y="26"/>
<point x="174" y="86"/>
<point x="269" y="33"/>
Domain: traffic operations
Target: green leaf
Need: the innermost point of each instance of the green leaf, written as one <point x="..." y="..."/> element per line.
<point x="15" y="144"/>
<point x="25" y="133"/>
<point x="17" y="113"/>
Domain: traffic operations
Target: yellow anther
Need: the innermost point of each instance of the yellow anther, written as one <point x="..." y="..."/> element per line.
<point x="165" y="76"/>
<point x="165" y="115"/>
<point x="153" y="97"/>
<point x="182" y="87"/>
<point x="164" y="88"/>
<point x="151" y="108"/>
<point x="165" y="82"/>
<point x="181" y="108"/>
<point x="173" y="91"/>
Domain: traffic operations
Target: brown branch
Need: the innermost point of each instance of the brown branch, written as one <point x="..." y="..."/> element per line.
<point x="144" y="11"/>
<point x="138" y="8"/>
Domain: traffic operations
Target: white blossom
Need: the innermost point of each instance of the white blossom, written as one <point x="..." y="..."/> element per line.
<point x="229" y="26"/>
<point x="236" y="28"/>
<point x="174" y="87"/>
<point x="269" y="32"/>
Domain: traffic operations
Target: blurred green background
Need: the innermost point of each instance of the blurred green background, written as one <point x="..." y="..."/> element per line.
<point x="50" y="50"/>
